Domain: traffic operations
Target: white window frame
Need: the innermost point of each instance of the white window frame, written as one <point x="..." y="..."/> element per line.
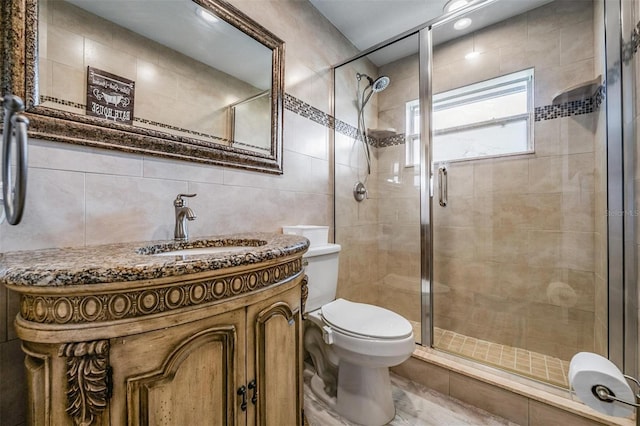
<point x="453" y="97"/>
<point x="412" y="134"/>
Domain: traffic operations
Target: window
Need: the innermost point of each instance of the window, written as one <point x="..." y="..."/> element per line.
<point x="490" y="118"/>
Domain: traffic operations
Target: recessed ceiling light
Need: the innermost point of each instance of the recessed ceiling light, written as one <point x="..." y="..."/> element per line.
<point x="455" y="5"/>
<point x="207" y="16"/>
<point x="461" y="24"/>
<point x="472" y="55"/>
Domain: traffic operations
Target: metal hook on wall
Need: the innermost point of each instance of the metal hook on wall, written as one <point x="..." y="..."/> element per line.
<point x="14" y="137"/>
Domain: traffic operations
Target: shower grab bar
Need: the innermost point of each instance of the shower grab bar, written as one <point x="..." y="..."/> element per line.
<point x="443" y="184"/>
<point x="14" y="133"/>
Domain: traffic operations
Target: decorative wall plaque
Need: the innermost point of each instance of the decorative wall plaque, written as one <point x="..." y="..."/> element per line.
<point x="109" y="96"/>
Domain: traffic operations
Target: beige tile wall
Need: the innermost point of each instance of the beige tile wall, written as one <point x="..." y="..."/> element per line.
<point x="399" y="198"/>
<point x="379" y="262"/>
<point x="516" y="246"/>
<point x="356" y="222"/>
<point x="83" y="196"/>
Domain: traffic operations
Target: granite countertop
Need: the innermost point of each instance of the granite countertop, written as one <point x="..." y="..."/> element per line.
<point x="136" y="261"/>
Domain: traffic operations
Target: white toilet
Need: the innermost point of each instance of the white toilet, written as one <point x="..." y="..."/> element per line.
<point x="352" y="345"/>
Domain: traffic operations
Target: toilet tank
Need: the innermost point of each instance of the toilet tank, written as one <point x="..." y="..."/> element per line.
<point x="322" y="270"/>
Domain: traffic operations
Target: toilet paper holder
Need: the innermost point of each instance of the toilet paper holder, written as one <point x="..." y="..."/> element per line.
<point x="605" y="394"/>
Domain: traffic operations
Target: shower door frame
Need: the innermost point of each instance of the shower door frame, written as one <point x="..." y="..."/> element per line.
<point x="425" y="74"/>
<point x="622" y="333"/>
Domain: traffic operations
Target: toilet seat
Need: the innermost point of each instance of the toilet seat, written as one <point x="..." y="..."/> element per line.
<point x="365" y="321"/>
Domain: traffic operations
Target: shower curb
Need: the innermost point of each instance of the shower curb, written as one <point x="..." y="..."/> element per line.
<point x="440" y="371"/>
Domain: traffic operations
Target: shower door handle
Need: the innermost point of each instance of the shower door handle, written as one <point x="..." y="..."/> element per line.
<point x="443" y="186"/>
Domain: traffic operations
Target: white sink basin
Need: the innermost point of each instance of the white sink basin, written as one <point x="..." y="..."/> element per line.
<point x="202" y="250"/>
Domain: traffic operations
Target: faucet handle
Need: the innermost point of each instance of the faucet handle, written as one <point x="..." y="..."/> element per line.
<point x="179" y="202"/>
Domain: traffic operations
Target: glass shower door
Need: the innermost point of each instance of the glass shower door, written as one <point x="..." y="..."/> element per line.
<point x="380" y="261"/>
<point x="519" y="171"/>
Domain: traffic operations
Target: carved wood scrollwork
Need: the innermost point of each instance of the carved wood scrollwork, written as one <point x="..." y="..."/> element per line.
<point x="103" y="307"/>
<point x="305" y="293"/>
<point x="88" y="379"/>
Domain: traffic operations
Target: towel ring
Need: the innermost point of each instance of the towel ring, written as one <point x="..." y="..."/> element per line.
<point x="14" y="136"/>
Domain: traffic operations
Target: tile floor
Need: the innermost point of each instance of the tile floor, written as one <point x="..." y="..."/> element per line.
<point x="532" y="364"/>
<point x="521" y="361"/>
<point x="416" y="405"/>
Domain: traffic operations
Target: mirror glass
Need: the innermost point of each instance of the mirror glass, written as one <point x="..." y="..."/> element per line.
<point x="191" y="79"/>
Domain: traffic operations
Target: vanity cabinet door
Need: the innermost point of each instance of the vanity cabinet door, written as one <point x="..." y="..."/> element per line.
<point x="274" y="360"/>
<point x="186" y="374"/>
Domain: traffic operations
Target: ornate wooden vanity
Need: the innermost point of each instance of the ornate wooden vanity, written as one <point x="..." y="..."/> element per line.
<point x="118" y="334"/>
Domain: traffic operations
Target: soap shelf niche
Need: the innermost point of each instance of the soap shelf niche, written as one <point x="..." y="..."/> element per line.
<point x="578" y="92"/>
<point x="381" y="133"/>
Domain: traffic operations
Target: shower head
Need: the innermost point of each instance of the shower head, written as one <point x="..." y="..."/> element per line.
<point x="380" y="84"/>
<point x="377" y="85"/>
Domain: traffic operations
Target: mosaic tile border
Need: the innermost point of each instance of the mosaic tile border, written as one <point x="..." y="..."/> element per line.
<point x="398" y="139"/>
<point x="59" y="101"/>
<point x="547" y="112"/>
<point x="225" y="141"/>
<point x="568" y="109"/>
<point x="303" y="109"/>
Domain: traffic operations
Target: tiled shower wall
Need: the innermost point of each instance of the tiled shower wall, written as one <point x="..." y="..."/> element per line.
<point x="399" y="198"/>
<point x="356" y="222"/>
<point x="515" y="247"/>
<point x="83" y="196"/>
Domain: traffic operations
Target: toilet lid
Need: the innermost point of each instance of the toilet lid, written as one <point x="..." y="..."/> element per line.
<point x="365" y="320"/>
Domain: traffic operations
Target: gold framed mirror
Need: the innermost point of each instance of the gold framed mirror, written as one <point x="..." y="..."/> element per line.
<point x="171" y="78"/>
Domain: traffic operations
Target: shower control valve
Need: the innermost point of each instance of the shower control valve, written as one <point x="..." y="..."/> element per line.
<point x="327" y="335"/>
<point x="359" y="191"/>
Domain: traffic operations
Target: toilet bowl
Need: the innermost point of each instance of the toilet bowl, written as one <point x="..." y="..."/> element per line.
<point x="352" y="345"/>
<point x="365" y="334"/>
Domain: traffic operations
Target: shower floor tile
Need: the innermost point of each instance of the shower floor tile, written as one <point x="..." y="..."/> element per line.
<point x="532" y="364"/>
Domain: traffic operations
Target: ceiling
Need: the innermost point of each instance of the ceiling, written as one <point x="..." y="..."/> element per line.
<point x="364" y="22"/>
<point x="367" y="23"/>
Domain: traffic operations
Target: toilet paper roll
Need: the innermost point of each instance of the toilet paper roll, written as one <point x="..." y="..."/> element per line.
<point x="587" y="370"/>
